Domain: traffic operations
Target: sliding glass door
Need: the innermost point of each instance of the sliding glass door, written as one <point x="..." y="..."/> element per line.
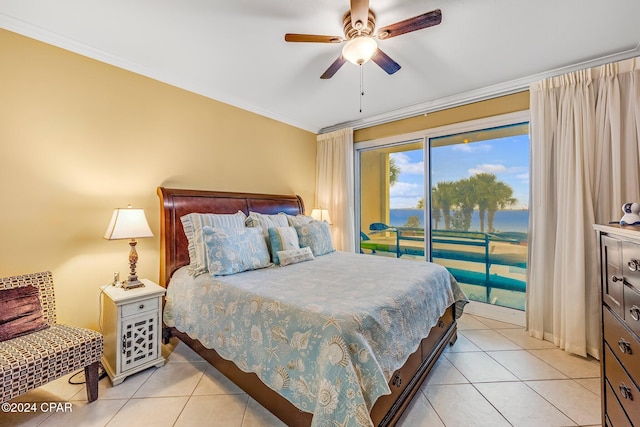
<point x="457" y="196"/>
<point x="479" y="210"/>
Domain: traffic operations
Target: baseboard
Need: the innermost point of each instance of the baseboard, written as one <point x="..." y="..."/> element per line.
<point x="495" y="312"/>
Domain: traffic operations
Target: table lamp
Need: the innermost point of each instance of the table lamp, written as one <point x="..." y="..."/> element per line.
<point x="320" y="214"/>
<point x="129" y="223"/>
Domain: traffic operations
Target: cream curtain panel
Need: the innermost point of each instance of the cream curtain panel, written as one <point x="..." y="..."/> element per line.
<point x="335" y="185"/>
<point x="585" y="162"/>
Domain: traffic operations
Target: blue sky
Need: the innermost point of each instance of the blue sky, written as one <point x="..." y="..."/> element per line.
<point x="507" y="158"/>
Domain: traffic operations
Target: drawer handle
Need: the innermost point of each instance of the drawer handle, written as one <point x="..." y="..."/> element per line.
<point x="625" y="392"/>
<point x="397" y="381"/>
<point x="635" y="312"/>
<point x="615" y="279"/>
<point x="624" y="346"/>
<point x="141" y="306"/>
<point x="124" y="344"/>
<point x="634" y="264"/>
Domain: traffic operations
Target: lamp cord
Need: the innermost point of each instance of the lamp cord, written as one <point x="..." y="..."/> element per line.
<point x="101" y="371"/>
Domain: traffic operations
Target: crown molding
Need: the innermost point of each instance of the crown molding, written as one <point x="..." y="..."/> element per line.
<point x="481" y="94"/>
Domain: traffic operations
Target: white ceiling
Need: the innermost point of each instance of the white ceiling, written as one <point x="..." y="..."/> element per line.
<point x="234" y="50"/>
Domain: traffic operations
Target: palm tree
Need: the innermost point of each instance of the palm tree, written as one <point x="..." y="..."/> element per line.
<point x="466" y="199"/>
<point x="502" y="198"/>
<point x="484" y="187"/>
<point x="443" y="196"/>
<point x="436" y="213"/>
<point x="394" y="171"/>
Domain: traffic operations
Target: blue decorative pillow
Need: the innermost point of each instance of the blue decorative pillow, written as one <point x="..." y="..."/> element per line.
<point x="231" y="251"/>
<point x="193" y="223"/>
<point x="317" y="236"/>
<point x="282" y="239"/>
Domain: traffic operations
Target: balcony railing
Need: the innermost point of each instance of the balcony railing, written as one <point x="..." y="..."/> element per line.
<point x="470" y="254"/>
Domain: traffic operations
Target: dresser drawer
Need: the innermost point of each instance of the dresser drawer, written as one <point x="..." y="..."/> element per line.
<point x="623" y="387"/>
<point x="632" y="308"/>
<point x="139" y="307"/>
<point x="612" y="273"/>
<point x="631" y="263"/>
<point x="623" y="343"/>
<point x="615" y="413"/>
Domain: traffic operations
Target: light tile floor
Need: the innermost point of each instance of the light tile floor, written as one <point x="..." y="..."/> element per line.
<point x="495" y="375"/>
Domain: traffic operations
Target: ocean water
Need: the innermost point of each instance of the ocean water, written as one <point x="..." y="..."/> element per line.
<point x="505" y="220"/>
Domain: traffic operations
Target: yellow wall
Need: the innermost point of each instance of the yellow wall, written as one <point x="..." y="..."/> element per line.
<point x="478" y="110"/>
<point x="79" y="138"/>
<point x="374" y="191"/>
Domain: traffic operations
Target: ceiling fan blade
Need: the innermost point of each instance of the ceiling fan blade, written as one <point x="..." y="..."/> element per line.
<point x="333" y="68"/>
<point x="359" y="14"/>
<point x="385" y="62"/>
<point x="419" y="22"/>
<point x="312" y="38"/>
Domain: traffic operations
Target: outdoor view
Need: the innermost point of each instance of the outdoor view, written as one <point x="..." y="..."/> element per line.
<point x="478" y="209"/>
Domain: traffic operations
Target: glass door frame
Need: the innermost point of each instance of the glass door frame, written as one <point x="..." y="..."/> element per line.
<point x="496" y="312"/>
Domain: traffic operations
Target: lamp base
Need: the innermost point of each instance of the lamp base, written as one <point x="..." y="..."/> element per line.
<point x="132" y="284"/>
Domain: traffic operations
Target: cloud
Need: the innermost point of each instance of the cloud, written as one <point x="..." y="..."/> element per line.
<point x="406" y="189"/>
<point x="471" y="148"/>
<point x="403" y="162"/>
<point x="499" y="169"/>
<point x="404" y="202"/>
<point x="524" y="177"/>
<point x="488" y="168"/>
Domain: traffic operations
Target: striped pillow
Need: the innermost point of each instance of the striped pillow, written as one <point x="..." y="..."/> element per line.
<point x="282" y="239"/>
<point x="298" y="220"/>
<point x="193" y="224"/>
<point x="265" y="222"/>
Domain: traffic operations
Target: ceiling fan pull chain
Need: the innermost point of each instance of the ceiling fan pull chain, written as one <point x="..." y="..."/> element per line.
<point x="361" y="86"/>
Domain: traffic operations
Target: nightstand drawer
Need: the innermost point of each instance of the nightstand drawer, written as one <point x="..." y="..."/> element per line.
<point x="139" y="307"/>
<point x="623" y="387"/>
<point x="623" y="343"/>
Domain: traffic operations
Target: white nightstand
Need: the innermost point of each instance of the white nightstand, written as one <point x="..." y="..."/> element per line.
<point x="132" y="329"/>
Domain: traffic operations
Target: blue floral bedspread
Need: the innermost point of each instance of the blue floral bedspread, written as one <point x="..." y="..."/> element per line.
<point x="326" y="334"/>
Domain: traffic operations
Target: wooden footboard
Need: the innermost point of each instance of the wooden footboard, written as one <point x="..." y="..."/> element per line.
<point x="387" y="410"/>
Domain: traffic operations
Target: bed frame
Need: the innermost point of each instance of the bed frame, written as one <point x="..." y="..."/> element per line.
<point x="405" y="382"/>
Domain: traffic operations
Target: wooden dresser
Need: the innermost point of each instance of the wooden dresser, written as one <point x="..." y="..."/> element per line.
<point x="620" y="358"/>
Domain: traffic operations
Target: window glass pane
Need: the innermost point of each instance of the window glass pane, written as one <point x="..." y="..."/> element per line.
<point x="479" y="211"/>
<point x="391" y="196"/>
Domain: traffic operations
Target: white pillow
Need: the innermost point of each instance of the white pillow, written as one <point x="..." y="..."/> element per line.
<point x="295" y="256"/>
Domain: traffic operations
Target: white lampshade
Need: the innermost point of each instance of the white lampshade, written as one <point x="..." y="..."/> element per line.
<point x="128" y="223"/>
<point x="359" y="49"/>
<point x="320" y="214"/>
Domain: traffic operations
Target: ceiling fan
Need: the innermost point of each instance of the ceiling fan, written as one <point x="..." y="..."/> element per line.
<point x="359" y="24"/>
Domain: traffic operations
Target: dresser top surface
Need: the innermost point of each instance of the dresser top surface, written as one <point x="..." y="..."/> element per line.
<point x="630" y="231"/>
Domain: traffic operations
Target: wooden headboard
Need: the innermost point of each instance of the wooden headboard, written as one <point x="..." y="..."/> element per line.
<point x="174" y="203"/>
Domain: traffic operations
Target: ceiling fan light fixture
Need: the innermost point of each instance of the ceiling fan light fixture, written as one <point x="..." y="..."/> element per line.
<point x="359" y="49"/>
